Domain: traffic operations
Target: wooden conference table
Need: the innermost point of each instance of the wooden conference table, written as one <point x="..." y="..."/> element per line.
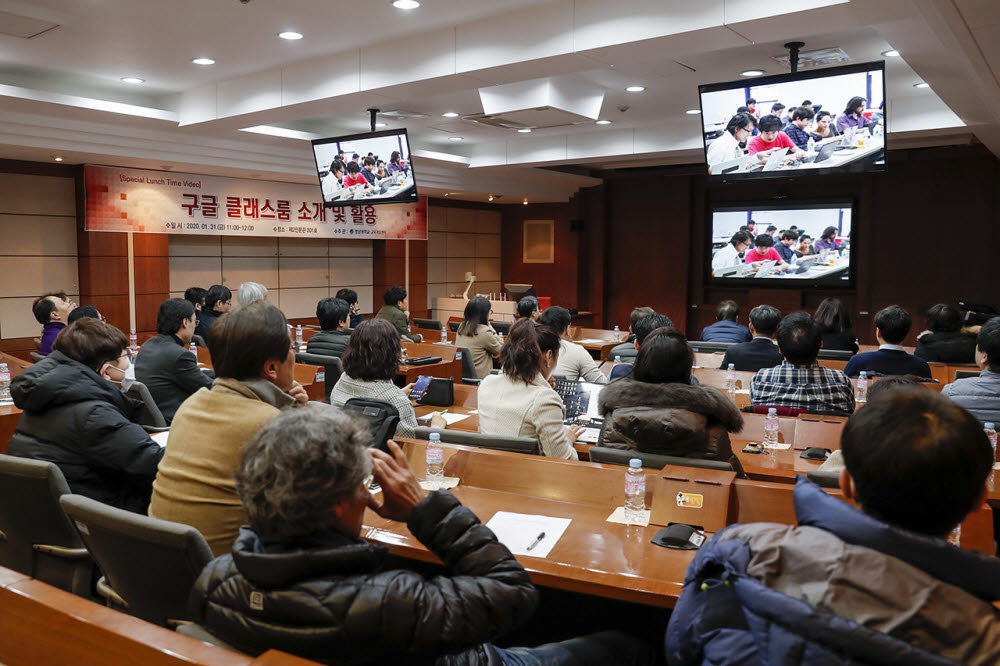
<point x="9" y="414"/>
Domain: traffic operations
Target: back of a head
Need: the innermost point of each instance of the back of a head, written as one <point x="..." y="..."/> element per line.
<point x="638" y="314"/>
<point x="527" y="306"/>
<point x="217" y="293"/>
<point x="557" y="318"/>
<point x="373" y="351"/>
<point x="91" y="342"/>
<point x="43" y="307"/>
<point x="394" y="295"/>
<point x="298" y="467"/>
<point x="171" y="315"/>
<point x="664" y="357"/>
<point x="894" y="323"/>
<point x="988" y="342"/>
<point x="648" y="324"/>
<point x="243" y="340"/>
<point x="789" y="234"/>
<point x="477" y="312"/>
<point x="917" y="459"/>
<point x="81" y="312"/>
<point x="765" y="319"/>
<point x="764" y="240"/>
<point x="727" y="311"/>
<point x="195" y="295"/>
<point x="331" y="312"/>
<point x="250" y="293"/>
<point x="944" y="318"/>
<point x="348" y="295"/>
<point x="799" y="338"/>
<point x="521" y="354"/>
<point x="891" y="383"/>
<point x="832" y="316"/>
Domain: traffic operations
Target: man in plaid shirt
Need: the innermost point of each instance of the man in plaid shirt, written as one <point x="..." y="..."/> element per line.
<point x="799" y="381"/>
<point x="796" y="129"/>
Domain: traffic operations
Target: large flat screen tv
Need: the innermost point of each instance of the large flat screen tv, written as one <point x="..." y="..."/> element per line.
<point x="809" y="123"/>
<point x="364" y="169"/>
<point x="754" y="245"/>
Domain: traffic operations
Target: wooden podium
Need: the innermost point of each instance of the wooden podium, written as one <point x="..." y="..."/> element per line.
<point x="692" y="496"/>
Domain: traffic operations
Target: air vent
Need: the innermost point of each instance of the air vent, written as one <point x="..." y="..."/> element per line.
<point x="402" y="114"/>
<point x="24" y="27"/>
<point x="816" y="58"/>
<point x="538" y="118"/>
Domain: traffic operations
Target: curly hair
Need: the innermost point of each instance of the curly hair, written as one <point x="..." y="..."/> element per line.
<point x="373" y="351"/>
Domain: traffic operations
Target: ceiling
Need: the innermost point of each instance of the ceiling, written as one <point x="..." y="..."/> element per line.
<point x="61" y="91"/>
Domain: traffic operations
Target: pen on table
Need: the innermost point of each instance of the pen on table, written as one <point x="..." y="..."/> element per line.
<point x="535" y="542"/>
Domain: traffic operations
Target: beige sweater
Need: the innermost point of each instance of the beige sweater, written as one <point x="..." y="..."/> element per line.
<point x="512" y="408"/>
<point x="484" y="347"/>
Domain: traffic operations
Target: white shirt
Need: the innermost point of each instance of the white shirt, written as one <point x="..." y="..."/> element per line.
<point x="331" y="186"/>
<point x="892" y="347"/>
<point x="723" y="149"/>
<point x="727" y="256"/>
<point x="575" y="362"/>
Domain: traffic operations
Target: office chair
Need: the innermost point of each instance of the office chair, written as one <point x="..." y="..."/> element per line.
<point x="333" y="368"/>
<point x="603" y="454"/>
<point x="527" y="445"/>
<point x="151" y="414"/>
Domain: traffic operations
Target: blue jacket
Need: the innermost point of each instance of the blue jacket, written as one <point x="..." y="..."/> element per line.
<point x="980" y="395"/>
<point x="931" y="599"/>
<point x="887" y="362"/>
<point x="726" y="331"/>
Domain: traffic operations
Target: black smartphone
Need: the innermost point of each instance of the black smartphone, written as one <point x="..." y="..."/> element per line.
<point x="419" y="388"/>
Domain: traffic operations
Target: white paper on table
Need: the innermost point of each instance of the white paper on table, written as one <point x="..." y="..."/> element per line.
<point x="592" y="408"/>
<point x="777" y="447"/>
<point x="589" y="436"/>
<point x="448" y="418"/>
<point x="7" y="401"/>
<point x="447" y="483"/>
<point x="160" y="438"/>
<point x="518" y="530"/>
<point x="474" y="411"/>
<point x="996" y="465"/>
<point x="592" y="341"/>
<point x="618" y="516"/>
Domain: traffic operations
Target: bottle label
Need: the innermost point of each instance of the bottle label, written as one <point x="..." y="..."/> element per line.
<point x="5" y="377"/>
<point x="435" y="456"/>
<point x="637" y="487"/>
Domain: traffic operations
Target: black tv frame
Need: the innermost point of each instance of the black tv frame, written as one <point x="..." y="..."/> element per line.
<point x="412" y="195"/>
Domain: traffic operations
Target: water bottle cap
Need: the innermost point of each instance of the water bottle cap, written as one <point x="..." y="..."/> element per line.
<point x="732" y="366"/>
<point x="772" y="410"/>
<point x="864" y="374"/>
<point x="635" y="462"/>
<point x="988" y="425"/>
<point x="618" y="359"/>
<point x="435" y="437"/>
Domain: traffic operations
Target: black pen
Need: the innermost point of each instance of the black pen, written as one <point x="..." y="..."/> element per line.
<point x="535" y="542"/>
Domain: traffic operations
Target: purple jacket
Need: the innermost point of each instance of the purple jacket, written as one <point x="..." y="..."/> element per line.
<point x="49" y="333"/>
<point x="846" y="120"/>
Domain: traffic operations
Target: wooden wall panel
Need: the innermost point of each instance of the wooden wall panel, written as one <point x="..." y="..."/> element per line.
<point x="557" y="280"/>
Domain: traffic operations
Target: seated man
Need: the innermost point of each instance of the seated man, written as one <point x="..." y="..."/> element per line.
<point x="800" y="382"/>
<point x="52" y="312"/>
<point x="575" y="362"/>
<point x="218" y="300"/>
<point x="333" y="315"/>
<point x="981" y="395"/>
<point x="642" y="329"/>
<point x="316" y="589"/>
<point x="852" y="585"/>
<point x="726" y="329"/>
<point x="762" y="351"/>
<point x="763" y="250"/>
<point x="84" y="311"/>
<point x="772" y="139"/>
<point x="254" y="363"/>
<point x="196" y="295"/>
<point x="891" y="326"/>
<point x="798" y="125"/>
<point x="784" y="246"/>
<point x="394" y="311"/>
<point x="527" y="308"/>
<point x="164" y="363"/>
<point x="627" y="350"/>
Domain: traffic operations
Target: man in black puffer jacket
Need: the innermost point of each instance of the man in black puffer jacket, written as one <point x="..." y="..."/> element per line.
<point x="300" y="578"/>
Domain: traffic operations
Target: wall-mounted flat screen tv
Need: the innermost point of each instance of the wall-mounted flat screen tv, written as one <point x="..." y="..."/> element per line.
<point x="814" y="122"/>
<point x="363" y="169"/>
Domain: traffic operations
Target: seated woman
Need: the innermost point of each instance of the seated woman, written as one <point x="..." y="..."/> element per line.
<point x="657" y="410"/>
<point x="519" y="402"/>
<point x="476" y="335"/>
<point x="371" y="361"/>
<point x="76" y="416"/>
<point x="944" y="341"/>
<point x="835" y="324"/>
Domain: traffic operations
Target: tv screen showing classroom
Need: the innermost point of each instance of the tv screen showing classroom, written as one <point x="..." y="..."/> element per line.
<point x="815" y="122"/>
<point x="369" y="168"/>
<point x="793" y="245"/>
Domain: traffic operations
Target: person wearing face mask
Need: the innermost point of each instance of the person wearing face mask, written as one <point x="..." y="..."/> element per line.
<point x="76" y="416"/>
<point x="520" y="402"/>
<point x="52" y="312"/>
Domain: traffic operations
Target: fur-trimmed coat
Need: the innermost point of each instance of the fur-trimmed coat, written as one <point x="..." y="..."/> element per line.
<point x="669" y="419"/>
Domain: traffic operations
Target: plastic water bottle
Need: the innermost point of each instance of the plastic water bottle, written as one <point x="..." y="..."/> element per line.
<point x="298" y="336"/>
<point x="861" y="395"/>
<point x="955" y="536"/>
<point x="434" y="461"/>
<point x="618" y="333"/>
<point x="811" y="145"/>
<point x="731" y="381"/>
<point x="193" y="348"/>
<point x="133" y="340"/>
<point x="771" y="427"/>
<point x="991" y="431"/>
<point x="635" y="491"/>
<point x="5" y="388"/>
<point x="618" y="359"/>
<point x="444" y="334"/>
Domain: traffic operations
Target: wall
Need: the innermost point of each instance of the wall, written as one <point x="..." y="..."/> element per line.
<point x="558" y="280"/>
<point x="461" y="240"/>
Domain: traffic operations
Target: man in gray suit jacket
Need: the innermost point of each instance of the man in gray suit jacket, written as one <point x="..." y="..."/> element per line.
<point x="165" y="365"/>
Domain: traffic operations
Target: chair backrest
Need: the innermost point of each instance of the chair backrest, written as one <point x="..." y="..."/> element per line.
<point x="602" y="454"/>
<point x="152" y="564"/>
<point x="497" y="442"/>
<point x="965" y="374"/>
<point x="382" y="417"/>
<point x="835" y="354"/>
<point x="824" y="478"/>
<point x="701" y="346"/>
<point x="33" y="527"/>
<point x="35" y="356"/>
<point x="453" y="326"/>
<point x="430" y="324"/>
<point x="468" y="366"/>
<point x="502" y="327"/>
<point x="151" y="415"/>
<point x="333" y="368"/>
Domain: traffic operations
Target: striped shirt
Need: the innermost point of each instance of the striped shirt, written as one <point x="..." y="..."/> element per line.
<point x="347" y="388"/>
<point x="809" y="387"/>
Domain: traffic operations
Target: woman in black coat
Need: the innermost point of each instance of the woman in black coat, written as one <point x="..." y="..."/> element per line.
<point x="944" y="341"/>
<point x="835" y="324"/>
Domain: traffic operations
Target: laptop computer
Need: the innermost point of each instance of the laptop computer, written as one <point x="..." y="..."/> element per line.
<point x="805" y="265"/>
<point x="775" y="160"/>
<point x="765" y="269"/>
<point x="825" y="152"/>
<point x="739" y="165"/>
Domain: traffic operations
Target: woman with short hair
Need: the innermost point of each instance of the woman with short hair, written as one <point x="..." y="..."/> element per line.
<point x="476" y="335"/>
<point x="945" y="341"/>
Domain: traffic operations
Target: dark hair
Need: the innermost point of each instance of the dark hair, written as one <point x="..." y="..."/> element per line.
<point x="829" y="233"/>
<point x="353" y="167"/>
<point x="521" y="354"/>
<point x="664" y="357"/>
<point x="527" y="306"/>
<point x="648" y="324"/>
<point x="891" y="383"/>
<point x="988" y="342"/>
<point x="355" y="156"/>
<point x="373" y="351"/>
<point x="42" y="307"/>
<point x="765" y="319"/>
<point x="742" y="109"/>
<point x="799" y="338"/>
<point x="727" y="311"/>
<point x="557" y="318"/>
<point x="171" y="315"/>
<point x="83" y="311"/>
<point x="894" y="323"/>
<point x="91" y="342"/>
<point x="793" y="228"/>
<point x="764" y="240"/>
<point x="215" y="294"/>
<point x="195" y="296"/>
<point x="789" y="234"/>
<point x="394" y="157"/>
<point x="777" y="106"/>
<point x="942" y="318"/>
<point x="804" y="235"/>
<point x="637" y="314"/>
<point x="368" y="161"/>
<point x="832" y="316"/>
<point x="803" y="112"/>
<point x="738" y="121"/>
<point x="337" y="165"/>
<point x="771" y="227"/>
<point x="822" y="114"/>
<point x="348" y="295"/>
<point x="751" y="223"/>
<point x="807" y="102"/>
<point x="918" y="460"/>
<point x="854" y="104"/>
<point x="243" y="340"/>
<point x="770" y="123"/>
<point x="751" y="100"/>
<point x="741" y="237"/>
<point x="477" y="311"/>
<point x="332" y="311"/>
<point x="394" y="295"/>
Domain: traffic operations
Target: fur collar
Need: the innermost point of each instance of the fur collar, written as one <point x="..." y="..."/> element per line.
<point x="628" y="392"/>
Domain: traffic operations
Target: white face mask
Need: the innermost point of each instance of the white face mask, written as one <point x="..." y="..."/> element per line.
<point x="127" y="379"/>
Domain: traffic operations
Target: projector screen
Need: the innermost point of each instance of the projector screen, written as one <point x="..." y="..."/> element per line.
<point x="365" y="169"/>
<point x="793" y="245"/>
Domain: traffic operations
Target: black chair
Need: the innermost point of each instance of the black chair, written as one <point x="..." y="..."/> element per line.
<point x="602" y="454"/>
<point x="382" y="417"/>
<point x="501" y="327"/>
<point x="431" y="324"/>
<point x="527" y="445"/>
<point x="453" y="326"/>
<point x="709" y="347"/>
<point x="151" y="564"/>
<point x="333" y="368"/>
<point x="469" y="374"/>
<point x="151" y="415"/>
<point x="835" y="354"/>
<point x="965" y="374"/>
<point x="35" y="536"/>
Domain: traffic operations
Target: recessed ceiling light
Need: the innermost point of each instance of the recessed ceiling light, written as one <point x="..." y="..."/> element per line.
<point x="57" y="158"/>
<point x="449" y="114"/>
<point x="290" y="34"/>
<point x="133" y="79"/>
<point x="635" y="89"/>
<point x="893" y="53"/>
<point x="524" y="130"/>
<point x="921" y="85"/>
<point x="203" y="61"/>
<point x="693" y="112"/>
<point x="454" y="138"/>
<point x="405" y="4"/>
<point x="752" y="72"/>
<point x="602" y="122"/>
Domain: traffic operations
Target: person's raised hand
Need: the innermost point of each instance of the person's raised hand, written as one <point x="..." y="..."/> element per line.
<point x="299" y="393"/>
<point x="400" y="489"/>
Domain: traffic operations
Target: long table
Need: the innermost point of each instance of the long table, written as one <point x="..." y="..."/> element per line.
<point x="9" y="414"/>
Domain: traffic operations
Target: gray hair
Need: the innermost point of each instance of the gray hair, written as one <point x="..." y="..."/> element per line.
<point x="301" y="465"/>
<point x="250" y="293"/>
